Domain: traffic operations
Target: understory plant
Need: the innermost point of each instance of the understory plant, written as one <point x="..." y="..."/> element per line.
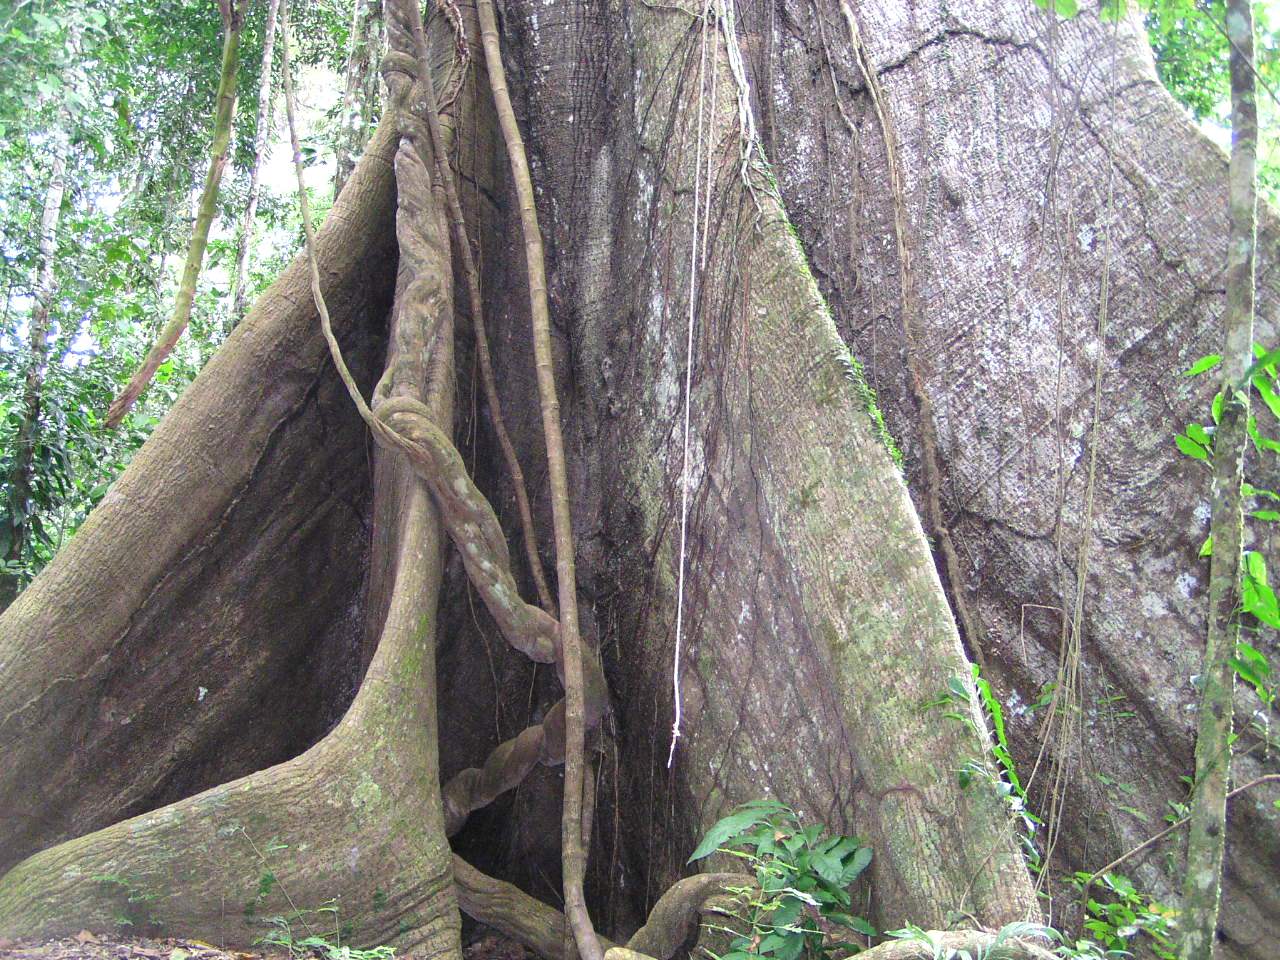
<point x="800" y="905"/>
<point x="1126" y="916"/>
<point x="282" y="935"/>
<point x="1257" y="596"/>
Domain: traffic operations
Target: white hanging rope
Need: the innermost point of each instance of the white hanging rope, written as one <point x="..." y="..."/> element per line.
<point x="688" y="378"/>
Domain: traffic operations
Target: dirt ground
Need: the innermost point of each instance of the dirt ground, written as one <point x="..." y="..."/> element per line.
<point x="482" y="945"/>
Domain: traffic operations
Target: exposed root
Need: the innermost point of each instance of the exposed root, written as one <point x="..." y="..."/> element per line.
<point x="675" y="916"/>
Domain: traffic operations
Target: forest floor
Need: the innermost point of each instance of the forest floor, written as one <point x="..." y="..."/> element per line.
<point x="482" y="945"/>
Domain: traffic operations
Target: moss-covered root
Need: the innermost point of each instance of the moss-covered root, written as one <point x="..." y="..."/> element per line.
<point x="355" y="822"/>
<point x="343" y="823"/>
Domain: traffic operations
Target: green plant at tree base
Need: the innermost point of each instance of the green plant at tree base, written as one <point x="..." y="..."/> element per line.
<point x="1127" y="915"/>
<point x="801" y="904"/>
<point x="955" y="702"/>
<point x="282" y="935"/>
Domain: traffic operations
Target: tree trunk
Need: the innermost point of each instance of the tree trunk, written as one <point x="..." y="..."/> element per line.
<point x="816" y="628"/>
<point x="1008" y="125"/>
<point x="27" y="437"/>
<point x="261" y="139"/>
<point x="362" y="98"/>
<point x="1206" y="836"/>
<point x="224" y="113"/>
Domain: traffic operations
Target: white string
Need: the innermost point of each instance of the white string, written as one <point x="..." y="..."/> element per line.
<point x="688" y="385"/>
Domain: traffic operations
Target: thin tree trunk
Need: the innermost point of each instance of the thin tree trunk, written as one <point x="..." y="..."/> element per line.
<point x="361" y="97"/>
<point x="33" y="388"/>
<point x="1206" y="842"/>
<point x="224" y="112"/>
<point x="261" y="137"/>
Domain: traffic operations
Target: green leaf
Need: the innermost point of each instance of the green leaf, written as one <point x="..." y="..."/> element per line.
<point x="1191" y="448"/>
<point x="1270" y="516"/>
<point x="827" y="867"/>
<point x="853" y="923"/>
<point x="787" y="912"/>
<point x="724" y="830"/>
<point x="1206" y="549"/>
<point x="1200" y="435"/>
<point x="1255" y="565"/>
<point x="1203" y="364"/>
<point x="1263" y="385"/>
<point x="861" y="858"/>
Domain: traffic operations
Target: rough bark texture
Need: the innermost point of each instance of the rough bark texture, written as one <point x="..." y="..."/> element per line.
<point x="218" y="586"/>
<point x="357" y="819"/>
<point x="816" y="625"/>
<point x="810" y="579"/>
<point x="1008" y="125"/>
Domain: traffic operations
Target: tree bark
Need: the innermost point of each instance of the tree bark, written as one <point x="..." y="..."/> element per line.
<point x="250" y="496"/>
<point x="817" y="625"/>
<point x="1009" y="123"/>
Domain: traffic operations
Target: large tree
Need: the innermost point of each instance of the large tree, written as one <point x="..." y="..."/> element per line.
<point x="258" y="658"/>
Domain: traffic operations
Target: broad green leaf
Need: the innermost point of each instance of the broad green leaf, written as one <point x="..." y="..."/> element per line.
<point x="1191" y="448"/>
<point x="856" y="864"/>
<point x="829" y="868"/>
<point x="1203" y="364"/>
<point x="724" y="830"/>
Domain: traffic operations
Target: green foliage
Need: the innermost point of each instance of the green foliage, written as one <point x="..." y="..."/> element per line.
<point x="124" y="91"/>
<point x="801" y="906"/>
<point x="1257" y="596"/>
<point x="1125" y="917"/>
<point x="282" y="935"/>
<point x="956" y="703"/>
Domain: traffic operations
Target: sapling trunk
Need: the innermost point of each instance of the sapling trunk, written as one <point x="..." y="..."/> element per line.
<point x="1207" y="838"/>
<point x="224" y="112"/>
<point x="38" y="338"/>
